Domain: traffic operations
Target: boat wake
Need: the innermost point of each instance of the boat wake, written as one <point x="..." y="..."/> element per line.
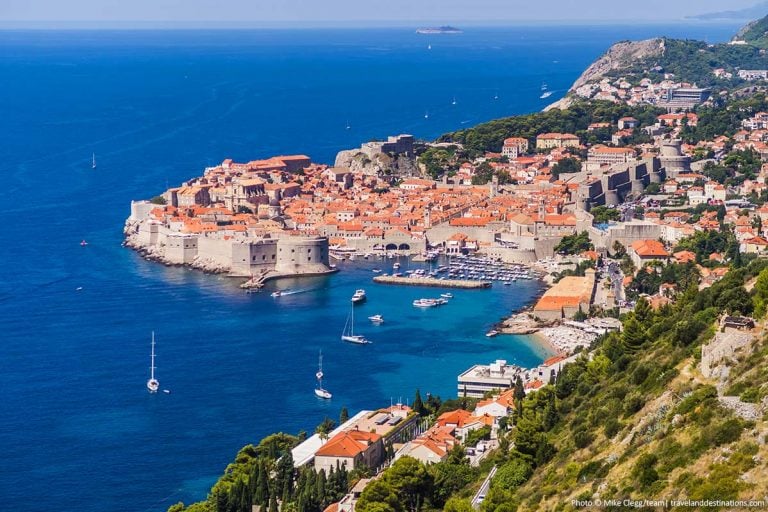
<point x="295" y="292"/>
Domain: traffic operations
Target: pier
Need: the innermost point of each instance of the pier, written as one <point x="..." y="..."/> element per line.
<point x="432" y="282"/>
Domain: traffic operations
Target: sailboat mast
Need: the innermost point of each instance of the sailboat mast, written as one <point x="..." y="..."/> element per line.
<point x="152" y="364"/>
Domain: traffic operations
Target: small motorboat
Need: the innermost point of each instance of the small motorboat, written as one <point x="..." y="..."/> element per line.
<point x="376" y="319"/>
<point x="167" y="391"/>
<point x="376" y="270"/>
<point x="83" y="243"/>
<point x="446" y="295"/>
<point x="358" y="297"/>
<point x="491" y="333"/>
<point x="277" y="293"/>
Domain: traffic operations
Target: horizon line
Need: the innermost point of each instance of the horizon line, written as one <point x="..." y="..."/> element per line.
<point x="329" y="24"/>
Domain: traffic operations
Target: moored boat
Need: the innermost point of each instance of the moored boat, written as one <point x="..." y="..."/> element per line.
<point x="320" y="391"/>
<point x="358" y="297"/>
<point x="152" y="384"/>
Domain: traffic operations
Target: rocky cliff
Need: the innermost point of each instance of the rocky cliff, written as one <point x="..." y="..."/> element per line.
<point x="377" y="164"/>
<point x="619" y="56"/>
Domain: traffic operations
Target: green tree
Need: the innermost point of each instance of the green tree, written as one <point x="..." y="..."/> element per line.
<point x="619" y="251"/>
<point x="603" y="214"/>
<point x="448" y="480"/>
<point x="343" y="415"/>
<point x="633" y="335"/>
<point x="512" y="474"/>
<point x="377" y="494"/>
<point x="418" y="405"/>
<point x="325" y="428"/>
<point x="457" y="505"/>
<point x="567" y="165"/>
<point x="410" y="480"/>
<point x="574" y="244"/>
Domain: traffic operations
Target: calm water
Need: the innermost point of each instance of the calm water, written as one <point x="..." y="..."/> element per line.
<point x="78" y="431"/>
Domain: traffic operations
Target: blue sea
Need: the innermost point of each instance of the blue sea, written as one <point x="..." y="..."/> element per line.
<point x="78" y="431"/>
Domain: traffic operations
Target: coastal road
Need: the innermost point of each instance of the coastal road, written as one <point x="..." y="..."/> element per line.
<point x="478" y="498"/>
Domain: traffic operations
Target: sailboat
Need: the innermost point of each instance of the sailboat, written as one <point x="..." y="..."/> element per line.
<point x="347" y="126"/>
<point x="454" y="101"/>
<point x="348" y="334"/>
<point x="321" y="392"/>
<point x="93" y="161"/>
<point x="426" y="115"/>
<point x="152" y="384"/>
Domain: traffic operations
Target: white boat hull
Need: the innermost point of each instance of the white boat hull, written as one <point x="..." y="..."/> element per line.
<point x="360" y="340"/>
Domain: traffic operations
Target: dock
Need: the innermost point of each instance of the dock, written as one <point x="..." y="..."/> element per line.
<point x="432" y="282"/>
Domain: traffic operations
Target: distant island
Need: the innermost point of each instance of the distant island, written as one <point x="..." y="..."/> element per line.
<point x="445" y="29"/>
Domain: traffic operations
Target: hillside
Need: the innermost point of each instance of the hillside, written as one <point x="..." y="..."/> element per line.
<point x="681" y="60"/>
<point x="755" y="33"/>
<point x="645" y="418"/>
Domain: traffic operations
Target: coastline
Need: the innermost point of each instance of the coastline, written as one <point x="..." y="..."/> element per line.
<point x="545" y="342"/>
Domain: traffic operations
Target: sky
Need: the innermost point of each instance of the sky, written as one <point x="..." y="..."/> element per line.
<point x="318" y="12"/>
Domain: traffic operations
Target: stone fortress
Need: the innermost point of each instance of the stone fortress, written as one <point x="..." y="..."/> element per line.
<point x="260" y="256"/>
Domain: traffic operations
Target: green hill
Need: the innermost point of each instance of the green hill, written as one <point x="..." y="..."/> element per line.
<point x="755" y="33"/>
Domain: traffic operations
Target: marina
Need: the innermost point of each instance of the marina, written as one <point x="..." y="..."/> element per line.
<point x="432" y="282"/>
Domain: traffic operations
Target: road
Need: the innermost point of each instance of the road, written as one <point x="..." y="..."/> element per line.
<point x="478" y="498"/>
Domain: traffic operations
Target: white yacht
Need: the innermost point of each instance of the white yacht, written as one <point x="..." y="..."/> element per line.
<point x="425" y="303"/>
<point x="376" y="319"/>
<point x="358" y="297"/>
<point x="320" y="391"/>
<point x="152" y="384"/>
<point x="348" y="334"/>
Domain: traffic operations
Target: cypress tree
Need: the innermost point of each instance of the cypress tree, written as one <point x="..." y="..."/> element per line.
<point x="518" y="395"/>
<point x="261" y="496"/>
<point x="344" y="415"/>
<point x="320" y="488"/>
<point x="418" y="405"/>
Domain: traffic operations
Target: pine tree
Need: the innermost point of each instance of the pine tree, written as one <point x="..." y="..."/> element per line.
<point x="633" y="335"/>
<point x="343" y="415"/>
<point x="643" y="310"/>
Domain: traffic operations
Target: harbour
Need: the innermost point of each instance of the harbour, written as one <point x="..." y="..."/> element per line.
<point x="77" y="326"/>
<point x="432" y="282"/>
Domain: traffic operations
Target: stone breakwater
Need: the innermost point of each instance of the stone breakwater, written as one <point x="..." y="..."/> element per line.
<point x="431" y="282"/>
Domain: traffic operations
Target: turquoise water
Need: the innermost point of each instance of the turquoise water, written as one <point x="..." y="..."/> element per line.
<point x="78" y="431"/>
